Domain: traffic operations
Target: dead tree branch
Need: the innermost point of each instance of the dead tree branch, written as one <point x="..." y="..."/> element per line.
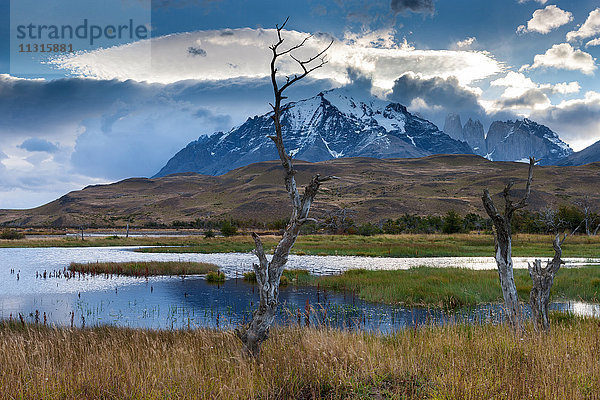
<point x="268" y="273"/>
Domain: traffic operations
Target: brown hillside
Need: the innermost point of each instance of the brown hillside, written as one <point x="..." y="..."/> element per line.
<point x="374" y="188"/>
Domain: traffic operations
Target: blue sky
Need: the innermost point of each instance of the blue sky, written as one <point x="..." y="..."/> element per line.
<point x="117" y="109"/>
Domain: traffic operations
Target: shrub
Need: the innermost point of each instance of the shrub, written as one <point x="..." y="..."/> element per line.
<point x="453" y="223"/>
<point x="228" y="229"/>
<point x="11" y="234"/>
<point x="209" y="234"/>
<point x="250" y="276"/>
<point x="368" y="229"/>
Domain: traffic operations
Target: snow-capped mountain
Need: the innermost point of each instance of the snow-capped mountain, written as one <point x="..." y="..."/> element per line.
<point x="510" y="140"/>
<point x="330" y="125"/>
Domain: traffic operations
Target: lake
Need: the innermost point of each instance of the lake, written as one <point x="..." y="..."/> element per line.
<point x="190" y="302"/>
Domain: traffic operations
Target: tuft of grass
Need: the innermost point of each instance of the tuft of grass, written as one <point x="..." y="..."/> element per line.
<point x="455" y="287"/>
<point x="144" y="268"/>
<point x="297" y="276"/>
<point x="215" y="277"/>
<point x="451" y="362"/>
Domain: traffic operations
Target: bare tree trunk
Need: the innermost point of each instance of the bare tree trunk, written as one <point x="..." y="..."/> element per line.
<point x="543" y="279"/>
<point x="503" y="245"/>
<point x="268" y="274"/>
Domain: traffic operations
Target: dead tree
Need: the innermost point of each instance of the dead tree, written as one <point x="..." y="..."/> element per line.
<point x="543" y="279"/>
<point x="268" y="273"/>
<point x="503" y="244"/>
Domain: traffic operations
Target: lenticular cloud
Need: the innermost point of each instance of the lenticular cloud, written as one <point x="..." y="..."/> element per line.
<point x="244" y="53"/>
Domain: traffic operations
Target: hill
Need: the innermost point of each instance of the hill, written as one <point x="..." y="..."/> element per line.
<point x="588" y="155"/>
<point x="374" y="188"/>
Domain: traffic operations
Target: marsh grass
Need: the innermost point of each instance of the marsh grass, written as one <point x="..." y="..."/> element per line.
<point x="456" y="287"/>
<point x="144" y="268"/>
<point x="452" y="362"/>
<point x="295" y="276"/>
<point x="405" y="245"/>
<point x="215" y="277"/>
<point x="459" y="245"/>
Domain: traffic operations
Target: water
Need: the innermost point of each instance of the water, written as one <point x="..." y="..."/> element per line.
<point x="175" y="302"/>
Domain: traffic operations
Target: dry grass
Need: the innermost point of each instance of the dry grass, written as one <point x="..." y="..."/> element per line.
<point x="144" y="268"/>
<point x="457" y="362"/>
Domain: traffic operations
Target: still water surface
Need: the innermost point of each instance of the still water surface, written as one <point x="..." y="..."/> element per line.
<point x="175" y="302"/>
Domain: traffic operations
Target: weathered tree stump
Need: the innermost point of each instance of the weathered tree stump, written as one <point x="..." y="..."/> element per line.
<point x="503" y="245"/>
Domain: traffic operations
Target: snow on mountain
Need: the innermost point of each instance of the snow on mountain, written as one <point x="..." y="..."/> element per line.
<point x="330" y="125"/>
<point x="510" y="140"/>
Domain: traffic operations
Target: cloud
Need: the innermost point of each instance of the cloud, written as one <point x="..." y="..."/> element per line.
<point x="578" y="120"/>
<point x="563" y="56"/>
<point x="542" y="2"/>
<point x="468" y="42"/>
<point x="416" y="6"/>
<point x="594" y="42"/>
<point x="531" y="98"/>
<point x="545" y="20"/>
<point x="447" y="93"/>
<point x="38" y="144"/>
<point x="196" y="51"/>
<point x="244" y="53"/>
<point x="590" y="27"/>
<point x="92" y="131"/>
<point x="517" y="84"/>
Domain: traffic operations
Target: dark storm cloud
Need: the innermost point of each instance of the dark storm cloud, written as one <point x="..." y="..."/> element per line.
<point x="436" y="91"/>
<point x="416" y="6"/>
<point x="196" y="51"/>
<point x="527" y="100"/>
<point x="37" y="144"/>
<point x="124" y="129"/>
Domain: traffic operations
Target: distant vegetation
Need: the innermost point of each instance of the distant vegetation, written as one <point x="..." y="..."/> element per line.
<point x="10" y="234"/>
<point x="566" y="217"/>
<point x="144" y="268"/>
<point x="404" y="245"/>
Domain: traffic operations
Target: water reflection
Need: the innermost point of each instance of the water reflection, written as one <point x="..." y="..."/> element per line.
<point x="174" y="302"/>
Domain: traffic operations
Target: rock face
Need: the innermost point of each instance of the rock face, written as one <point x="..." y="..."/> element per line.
<point x="521" y="139"/>
<point x="328" y="126"/>
<point x="474" y="135"/>
<point x="453" y="127"/>
<point x="588" y="155"/>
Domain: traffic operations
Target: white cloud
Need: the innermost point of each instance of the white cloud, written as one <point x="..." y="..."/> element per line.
<point x="594" y="42"/>
<point x="590" y="27"/>
<point x="566" y="88"/>
<point x="517" y="84"/>
<point x="542" y="2"/>
<point x="578" y="120"/>
<point x="563" y="56"/>
<point x="468" y="42"/>
<point x="546" y="19"/>
<point x="244" y="52"/>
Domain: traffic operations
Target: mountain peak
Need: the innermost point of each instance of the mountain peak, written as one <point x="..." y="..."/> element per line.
<point x="330" y="125"/>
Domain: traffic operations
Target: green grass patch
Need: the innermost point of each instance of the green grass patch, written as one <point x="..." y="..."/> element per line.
<point x="455" y="287"/>
<point x="144" y="268"/>
<point x="215" y="277"/>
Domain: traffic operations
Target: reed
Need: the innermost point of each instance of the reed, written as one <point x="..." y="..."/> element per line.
<point x="144" y="268"/>
<point x="452" y="362"/>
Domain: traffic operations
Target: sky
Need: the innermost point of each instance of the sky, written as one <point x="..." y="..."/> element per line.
<point x="146" y="77"/>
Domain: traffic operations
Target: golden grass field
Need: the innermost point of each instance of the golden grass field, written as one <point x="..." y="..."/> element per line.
<point x="454" y="362"/>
